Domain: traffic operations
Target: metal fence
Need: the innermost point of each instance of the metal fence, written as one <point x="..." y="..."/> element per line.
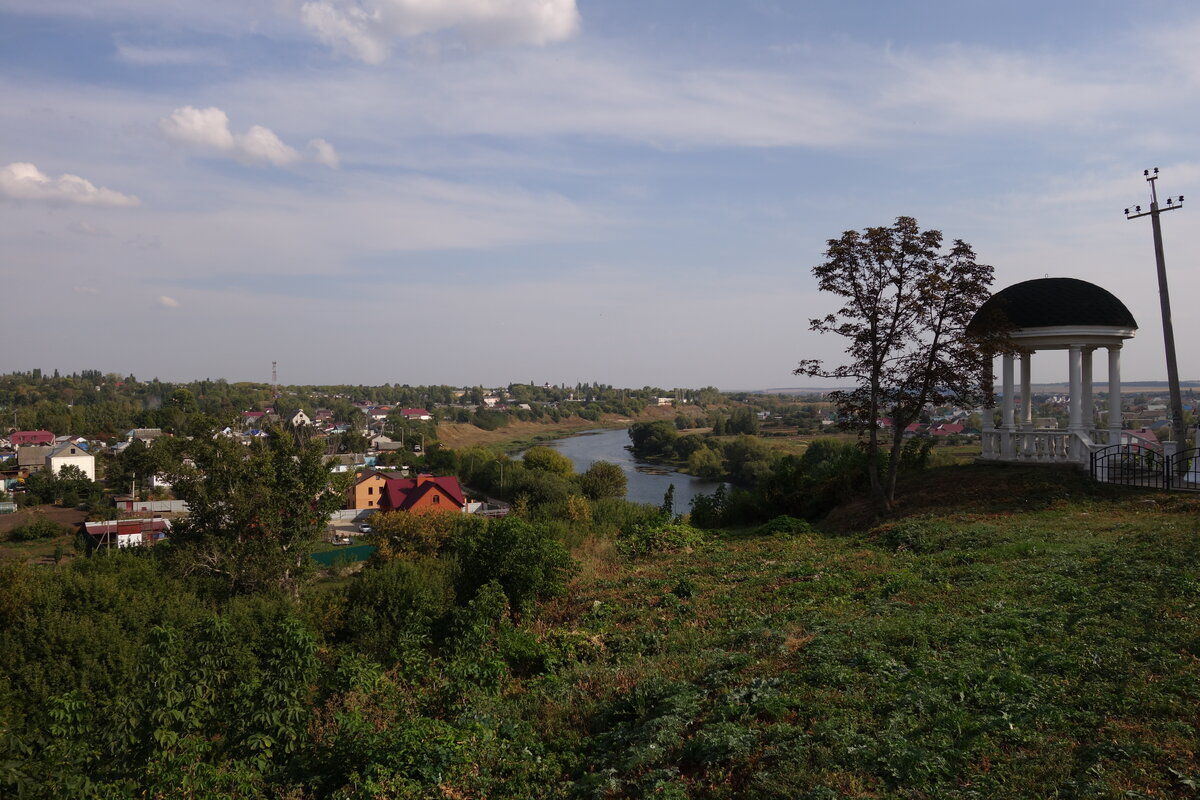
<point x="1141" y="466"/>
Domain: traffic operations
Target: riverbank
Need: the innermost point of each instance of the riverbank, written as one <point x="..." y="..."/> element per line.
<point x="517" y="434"/>
<point x="646" y="482"/>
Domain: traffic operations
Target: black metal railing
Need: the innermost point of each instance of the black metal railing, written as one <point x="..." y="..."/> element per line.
<point x="1138" y="465"/>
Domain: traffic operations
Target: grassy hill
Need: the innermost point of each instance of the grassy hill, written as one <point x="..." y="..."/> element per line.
<point x="1017" y="634"/>
<point x="1008" y="633"/>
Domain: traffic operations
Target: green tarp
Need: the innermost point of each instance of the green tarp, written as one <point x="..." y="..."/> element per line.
<point x="359" y="552"/>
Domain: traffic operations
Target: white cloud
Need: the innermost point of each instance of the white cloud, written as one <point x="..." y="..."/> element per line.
<point x="261" y="144"/>
<point x="88" y="229"/>
<point x="322" y="152"/>
<point x="208" y="128"/>
<point x="85" y="290"/>
<point x="23" y="181"/>
<point x="169" y="56"/>
<point x="979" y="87"/>
<point x="167" y="302"/>
<point x="365" y="27"/>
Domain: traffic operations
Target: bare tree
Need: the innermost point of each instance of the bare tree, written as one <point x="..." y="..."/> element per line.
<point x="906" y="308"/>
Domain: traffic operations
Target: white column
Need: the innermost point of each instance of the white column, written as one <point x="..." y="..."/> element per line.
<point x="1077" y="388"/>
<point x="1006" y="409"/>
<point x="1089" y="408"/>
<point x="1077" y="401"/>
<point x="1026" y="391"/>
<point x="988" y="422"/>
<point x="1115" y="423"/>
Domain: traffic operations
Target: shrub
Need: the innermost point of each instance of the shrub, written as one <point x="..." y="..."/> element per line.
<point x="660" y="537"/>
<point x="393" y="609"/>
<point x="38" y="528"/>
<point x="784" y="525"/>
<point x="409" y="534"/>
<point x="525" y="560"/>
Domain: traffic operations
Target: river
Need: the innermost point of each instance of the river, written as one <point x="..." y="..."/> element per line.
<point x="647" y="482"/>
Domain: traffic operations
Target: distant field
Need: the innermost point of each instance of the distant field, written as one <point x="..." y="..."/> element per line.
<point x="517" y="433"/>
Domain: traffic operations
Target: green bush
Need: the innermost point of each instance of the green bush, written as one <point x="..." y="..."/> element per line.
<point x="394" y="609"/>
<point x="784" y="525"/>
<point x="38" y="528"/>
<point x="660" y="537"/>
<point x="524" y="558"/>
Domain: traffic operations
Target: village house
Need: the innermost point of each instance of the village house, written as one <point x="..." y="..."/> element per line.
<point x="299" y="419"/>
<point x="424" y="493"/>
<point x="68" y="454"/>
<point x="144" y="435"/>
<point x="25" y="438"/>
<point x="367" y="491"/>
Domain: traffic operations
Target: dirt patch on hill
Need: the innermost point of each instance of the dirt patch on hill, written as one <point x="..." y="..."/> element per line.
<point x="70" y="517"/>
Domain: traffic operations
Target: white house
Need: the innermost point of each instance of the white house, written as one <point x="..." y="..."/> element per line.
<point x="70" y="453"/>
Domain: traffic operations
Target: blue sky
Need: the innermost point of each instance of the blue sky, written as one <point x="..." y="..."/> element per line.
<point x="485" y="191"/>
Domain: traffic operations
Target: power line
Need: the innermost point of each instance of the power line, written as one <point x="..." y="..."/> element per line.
<point x="1178" y="427"/>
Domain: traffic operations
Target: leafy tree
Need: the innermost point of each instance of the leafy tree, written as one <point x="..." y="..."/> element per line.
<point x="653" y="439"/>
<point x="706" y="463"/>
<point x="547" y="459"/>
<point x="523" y="558"/>
<point x="668" y="502"/>
<point x="603" y="479"/>
<point x="748" y="459"/>
<point x="255" y="513"/>
<point x="42" y="485"/>
<point x="743" y="420"/>
<point x="906" y="307"/>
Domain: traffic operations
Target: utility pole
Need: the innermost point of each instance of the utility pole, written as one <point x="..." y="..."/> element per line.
<point x="1178" y="427"/>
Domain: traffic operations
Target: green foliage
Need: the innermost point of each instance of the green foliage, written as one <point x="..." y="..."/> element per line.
<point x="708" y="510"/>
<point x="653" y="439"/>
<point x="1052" y="650"/>
<point x="37" y="528"/>
<point x="784" y="525"/>
<point x="661" y="536"/>
<point x="603" y="479"/>
<point x="489" y="420"/>
<point x="705" y="462"/>
<point x="524" y="560"/>
<point x="547" y="459"/>
<point x="394" y="609"/>
<point x="255" y="513"/>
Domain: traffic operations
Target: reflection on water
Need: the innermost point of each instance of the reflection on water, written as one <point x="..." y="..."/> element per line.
<point x="647" y="482"/>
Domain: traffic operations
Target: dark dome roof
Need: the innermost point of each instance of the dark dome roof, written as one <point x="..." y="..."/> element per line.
<point x="1048" y="302"/>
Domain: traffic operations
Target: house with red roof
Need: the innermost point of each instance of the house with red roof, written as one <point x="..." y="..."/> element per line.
<point x="416" y="413"/>
<point x="424" y="493"/>
<point x="22" y="438"/>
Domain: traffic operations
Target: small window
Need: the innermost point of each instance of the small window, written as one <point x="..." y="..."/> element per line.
<point x="437" y="498"/>
<point x="370" y="502"/>
<point x="370" y="490"/>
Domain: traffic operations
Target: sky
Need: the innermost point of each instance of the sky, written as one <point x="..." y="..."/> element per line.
<point x="632" y="192"/>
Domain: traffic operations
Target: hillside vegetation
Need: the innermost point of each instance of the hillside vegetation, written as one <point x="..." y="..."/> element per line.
<point x="1008" y="633"/>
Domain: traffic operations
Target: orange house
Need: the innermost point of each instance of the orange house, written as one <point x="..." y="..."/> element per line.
<point x="426" y="493"/>
<point x="367" y="491"/>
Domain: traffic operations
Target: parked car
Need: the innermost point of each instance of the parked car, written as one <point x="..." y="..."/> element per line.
<point x="365" y="527"/>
